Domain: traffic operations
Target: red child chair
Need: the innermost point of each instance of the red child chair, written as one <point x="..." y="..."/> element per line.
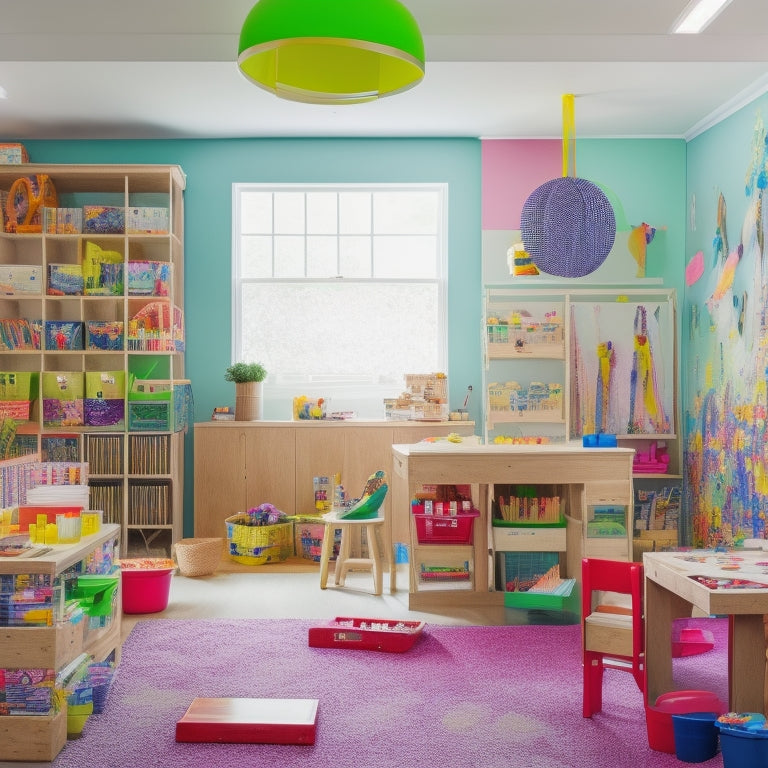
<point x="612" y="625"/>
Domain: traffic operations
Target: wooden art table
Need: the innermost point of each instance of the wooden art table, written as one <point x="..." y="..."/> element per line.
<point x="723" y="584"/>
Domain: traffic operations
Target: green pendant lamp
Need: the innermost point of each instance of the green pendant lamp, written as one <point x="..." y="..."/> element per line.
<point x="331" y="51"/>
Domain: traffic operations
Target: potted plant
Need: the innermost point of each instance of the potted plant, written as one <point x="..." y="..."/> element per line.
<point x="248" y="378"/>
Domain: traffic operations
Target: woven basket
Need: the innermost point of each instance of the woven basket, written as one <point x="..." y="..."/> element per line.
<point x="198" y="557"/>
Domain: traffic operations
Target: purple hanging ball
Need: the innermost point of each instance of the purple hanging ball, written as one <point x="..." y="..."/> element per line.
<point x="568" y="227"/>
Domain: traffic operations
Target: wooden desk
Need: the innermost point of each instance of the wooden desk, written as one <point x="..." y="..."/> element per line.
<point x="671" y="593"/>
<point x="588" y="476"/>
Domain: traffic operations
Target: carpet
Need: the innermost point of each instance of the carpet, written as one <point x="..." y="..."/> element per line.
<point x="462" y="697"/>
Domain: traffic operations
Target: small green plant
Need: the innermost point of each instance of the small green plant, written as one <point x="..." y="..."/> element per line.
<point x="244" y="372"/>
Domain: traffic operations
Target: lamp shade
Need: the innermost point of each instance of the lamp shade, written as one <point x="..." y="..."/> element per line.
<point x="331" y="51"/>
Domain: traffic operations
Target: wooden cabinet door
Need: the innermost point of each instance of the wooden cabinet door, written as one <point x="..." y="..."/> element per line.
<point x="220" y="487"/>
<point x="270" y="461"/>
<point x="319" y="453"/>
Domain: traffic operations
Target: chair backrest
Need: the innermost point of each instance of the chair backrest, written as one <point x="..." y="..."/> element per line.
<point x="626" y="578"/>
<point x="598" y="575"/>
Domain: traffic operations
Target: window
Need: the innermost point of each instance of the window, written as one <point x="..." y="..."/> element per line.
<point x="339" y="290"/>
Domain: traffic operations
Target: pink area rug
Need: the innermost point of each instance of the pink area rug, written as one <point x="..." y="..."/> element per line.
<point x="462" y="697"/>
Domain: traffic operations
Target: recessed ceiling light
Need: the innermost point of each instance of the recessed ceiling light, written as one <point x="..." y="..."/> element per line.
<point x="697" y="15"/>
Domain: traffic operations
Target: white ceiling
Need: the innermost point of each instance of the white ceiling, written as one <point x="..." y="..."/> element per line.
<point x="91" y="69"/>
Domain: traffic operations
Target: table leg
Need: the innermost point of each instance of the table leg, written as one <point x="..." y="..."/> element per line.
<point x="660" y="610"/>
<point x="746" y="663"/>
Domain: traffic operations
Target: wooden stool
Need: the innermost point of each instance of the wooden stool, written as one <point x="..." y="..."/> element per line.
<point x="344" y="562"/>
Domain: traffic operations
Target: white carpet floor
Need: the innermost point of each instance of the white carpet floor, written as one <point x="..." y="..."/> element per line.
<point x="284" y="594"/>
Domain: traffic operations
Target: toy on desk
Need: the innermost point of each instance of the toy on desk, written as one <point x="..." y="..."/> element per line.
<point x="654" y="460"/>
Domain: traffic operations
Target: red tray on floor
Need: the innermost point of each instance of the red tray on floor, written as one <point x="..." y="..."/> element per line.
<point x="387" y="635"/>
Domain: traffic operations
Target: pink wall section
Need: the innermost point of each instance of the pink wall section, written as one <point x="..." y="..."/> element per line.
<point x="511" y="170"/>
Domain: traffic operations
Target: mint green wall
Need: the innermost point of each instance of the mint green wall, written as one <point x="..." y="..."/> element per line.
<point x="213" y="165"/>
<point x="725" y="353"/>
<point x="647" y="176"/>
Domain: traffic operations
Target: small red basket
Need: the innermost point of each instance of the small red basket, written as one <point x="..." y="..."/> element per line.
<point x="444" y="529"/>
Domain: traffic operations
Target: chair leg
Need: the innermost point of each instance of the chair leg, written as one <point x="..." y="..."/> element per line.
<point x="593" y="684"/>
<point x="371" y="532"/>
<point x="325" y="555"/>
<point x="340" y="574"/>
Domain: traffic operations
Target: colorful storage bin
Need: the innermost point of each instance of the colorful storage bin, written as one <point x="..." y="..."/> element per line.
<point x="258" y="544"/>
<point x="444" y="529"/>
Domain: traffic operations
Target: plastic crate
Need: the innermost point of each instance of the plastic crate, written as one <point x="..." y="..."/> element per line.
<point x="258" y="544"/>
<point x="444" y="529"/>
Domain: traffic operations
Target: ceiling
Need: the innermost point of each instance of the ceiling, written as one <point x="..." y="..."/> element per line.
<point x="90" y="69"/>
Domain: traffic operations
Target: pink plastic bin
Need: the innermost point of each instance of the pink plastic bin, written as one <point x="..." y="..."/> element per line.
<point x="658" y="717"/>
<point x="146" y="585"/>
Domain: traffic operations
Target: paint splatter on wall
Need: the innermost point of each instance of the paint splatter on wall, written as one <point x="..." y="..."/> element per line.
<point x="726" y="453"/>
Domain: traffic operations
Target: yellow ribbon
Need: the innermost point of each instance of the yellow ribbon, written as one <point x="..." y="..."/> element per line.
<point x="569" y="136"/>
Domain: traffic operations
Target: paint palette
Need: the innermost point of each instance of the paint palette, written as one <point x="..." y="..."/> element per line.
<point x="386" y="635"/>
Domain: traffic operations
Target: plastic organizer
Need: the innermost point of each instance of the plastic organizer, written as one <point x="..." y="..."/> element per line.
<point x="445" y="528"/>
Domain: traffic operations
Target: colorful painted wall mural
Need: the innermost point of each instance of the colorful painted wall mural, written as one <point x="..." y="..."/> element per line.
<point x="726" y="453"/>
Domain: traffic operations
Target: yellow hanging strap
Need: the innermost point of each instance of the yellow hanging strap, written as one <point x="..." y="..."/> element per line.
<point x="569" y="136"/>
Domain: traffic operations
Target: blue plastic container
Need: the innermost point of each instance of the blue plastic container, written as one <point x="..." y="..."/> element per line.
<point x="695" y="736"/>
<point x="743" y="748"/>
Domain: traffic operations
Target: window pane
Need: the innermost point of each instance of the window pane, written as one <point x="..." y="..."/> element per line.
<point x="289" y="213"/>
<point x="256" y="213"/>
<point x="322" y="258"/>
<point x="256" y="258"/>
<point x="354" y="213"/>
<point x="405" y="257"/>
<point x="321" y="213"/>
<point x="289" y="257"/>
<point x="414" y="213"/>
<point x="355" y="256"/>
<point x="344" y="329"/>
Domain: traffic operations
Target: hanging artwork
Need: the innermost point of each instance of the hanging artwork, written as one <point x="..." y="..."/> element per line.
<point x="622" y="385"/>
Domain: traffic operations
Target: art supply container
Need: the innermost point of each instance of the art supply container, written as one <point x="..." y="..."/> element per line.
<point x="146" y="584"/>
<point x="69" y="527"/>
<point x="658" y="717"/>
<point x="744" y="746"/>
<point x="695" y="736"/>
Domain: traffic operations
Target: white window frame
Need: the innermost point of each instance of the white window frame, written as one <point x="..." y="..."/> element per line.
<point x="281" y="392"/>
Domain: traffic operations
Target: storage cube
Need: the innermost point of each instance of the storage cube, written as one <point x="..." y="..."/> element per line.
<point x="147" y="221"/>
<point x="106" y="334"/>
<point x="21" y="279"/>
<point x="103" y="219"/>
<point x="63" y="334"/>
<point x="149" y="278"/>
<point x="18" y="385"/>
<point x="63" y="393"/>
<point x="105" y="385"/>
<point x="65" y="280"/>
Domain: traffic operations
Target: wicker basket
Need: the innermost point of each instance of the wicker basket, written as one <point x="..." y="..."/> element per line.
<point x="198" y="557"/>
<point x="258" y="544"/>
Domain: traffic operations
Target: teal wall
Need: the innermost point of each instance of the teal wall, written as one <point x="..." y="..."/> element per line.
<point x="648" y="177"/>
<point x="724" y="327"/>
<point x="212" y="166"/>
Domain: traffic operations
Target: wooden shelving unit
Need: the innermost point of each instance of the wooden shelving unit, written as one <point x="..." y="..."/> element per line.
<point x="136" y="451"/>
<point x="38" y="738"/>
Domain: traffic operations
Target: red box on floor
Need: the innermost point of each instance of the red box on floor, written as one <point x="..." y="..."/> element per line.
<point x="249" y="721"/>
<point x="388" y="635"/>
